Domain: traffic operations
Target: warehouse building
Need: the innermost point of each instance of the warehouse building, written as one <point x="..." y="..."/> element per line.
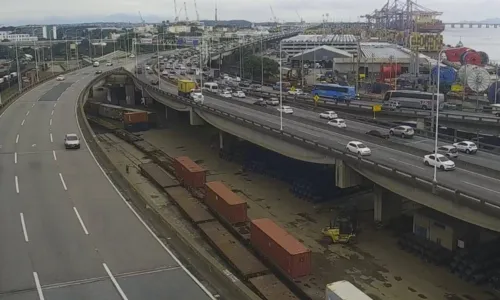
<point x="300" y="43"/>
<point x="322" y="55"/>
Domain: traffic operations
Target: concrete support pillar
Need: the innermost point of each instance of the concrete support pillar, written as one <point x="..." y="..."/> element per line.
<point x="386" y="205"/>
<point x="221" y="139"/>
<point x="166" y="112"/>
<point x="130" y="94"/>
<point x="195" y="119"/>
<point x="345" y="176"/>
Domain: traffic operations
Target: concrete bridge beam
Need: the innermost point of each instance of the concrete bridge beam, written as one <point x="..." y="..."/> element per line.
<point x="346" y="176"/>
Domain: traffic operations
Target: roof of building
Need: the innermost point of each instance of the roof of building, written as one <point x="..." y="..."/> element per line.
<point x="331" y="49"/>
<point x="324" y="39"/>
<point x="382" y="50"/>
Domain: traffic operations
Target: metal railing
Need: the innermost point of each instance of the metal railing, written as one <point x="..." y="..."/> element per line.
<point x="456" y="195"/>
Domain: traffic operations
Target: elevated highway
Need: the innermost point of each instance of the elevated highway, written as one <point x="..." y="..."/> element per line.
<point x="464" y="193"/>
<point x="68" y="233"/>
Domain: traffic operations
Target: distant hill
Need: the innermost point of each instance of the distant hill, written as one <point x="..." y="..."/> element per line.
<point x="231" y="23"/>
<point x="485" y="21"/>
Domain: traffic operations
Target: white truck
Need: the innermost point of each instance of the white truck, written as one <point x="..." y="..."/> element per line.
<point x="344" y="290"/>
<point x="96" y="64"/>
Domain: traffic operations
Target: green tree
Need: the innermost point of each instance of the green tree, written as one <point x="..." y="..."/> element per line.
<point x="253" y="66"/>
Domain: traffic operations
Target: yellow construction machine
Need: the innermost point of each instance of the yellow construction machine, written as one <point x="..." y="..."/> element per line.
<point x="341" y="230"/>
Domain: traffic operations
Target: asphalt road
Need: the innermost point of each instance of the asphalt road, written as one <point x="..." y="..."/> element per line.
<point x="66" y="232"/>
<point x="474" y="183"/>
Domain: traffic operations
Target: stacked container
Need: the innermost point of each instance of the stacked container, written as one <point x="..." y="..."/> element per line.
<point x="189" y="173"/>
<point x="281" y="248"/>
<point x="225" y="202"/>
<point x="136" y="121"/>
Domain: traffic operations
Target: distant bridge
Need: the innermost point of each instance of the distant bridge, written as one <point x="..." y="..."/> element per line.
<point x="471" y="25"/>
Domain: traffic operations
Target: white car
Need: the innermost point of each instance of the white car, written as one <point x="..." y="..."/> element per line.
<point x="109" y="64"/>
<point x="197" y="97"/>
<point x="285" y="109"/>
<point x="71" y="141"/>
<point x="148" y="68"/>
<point x="296" y="92"/>
<point x="239" y="94"/>
<point x="273" y="101"/>
<point x="225" y="94"/>
<point x="132" y="56"/>
<point x="466" y="146"/>
<point x="60" y="78"/>
<point x="330" y="115"/>
<point x="358" y="148"/>
<point x="340" y="123"/>
<point x="442" y="162"/>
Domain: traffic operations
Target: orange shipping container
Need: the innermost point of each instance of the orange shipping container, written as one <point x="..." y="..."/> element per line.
<point x="189" y="173"/>
<point x="281" y="248"/>
<point x="225" y="202"/>
<point x="135" y="117"/>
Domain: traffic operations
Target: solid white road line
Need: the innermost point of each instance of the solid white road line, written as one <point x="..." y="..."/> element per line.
<point x="17" y="184"/>
<point x="15" y="157"/>
<point x="17" y="139"/>
<point x="27" y="113"/>
<point x="38" y="286"/>
<point x="51" y="139"/>
<point x="22" y="123"/>
<point x="481" y="187"/>
<point x="81" y="221"/>
<point x="54" y="153"/>
<point x="62" y="181"/>
<point x="50" y="123"/>
<point x="115" y="283"/>
<point x="25" y="232"/>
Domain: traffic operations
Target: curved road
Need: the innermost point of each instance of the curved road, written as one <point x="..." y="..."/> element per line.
<point x="474" y="183"/>
<point x="66" y="232"/>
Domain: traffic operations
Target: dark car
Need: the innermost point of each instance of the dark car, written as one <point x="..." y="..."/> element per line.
<point x="155" y="82"/>
<point x="98" y="72"/>
<point x="378" y="134"/>
<point x="260" y="103"/>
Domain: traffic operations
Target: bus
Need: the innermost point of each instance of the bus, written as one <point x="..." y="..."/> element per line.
<point x="211" y="87"/>
<point x="334" y="91"/>
<point x="411" y="99"/>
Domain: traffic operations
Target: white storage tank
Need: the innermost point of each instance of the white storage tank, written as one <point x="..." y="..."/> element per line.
<point x="344" y="290"/>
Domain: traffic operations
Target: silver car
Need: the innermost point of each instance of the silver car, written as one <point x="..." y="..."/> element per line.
<point x="449" y="151"/>
<point x="402" y="131"/>
<point x="71" y="141"/>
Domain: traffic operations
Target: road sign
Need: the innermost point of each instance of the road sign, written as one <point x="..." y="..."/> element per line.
<point x="316" y="98"/>
<point x="377" y="107"/>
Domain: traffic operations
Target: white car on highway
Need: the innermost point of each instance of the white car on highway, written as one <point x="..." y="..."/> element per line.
<point x="466" y="146"/>
<point x="296" y="92"/>
<point x="273" y="101"/>
<point x="239" y="94"/>
<point x="330" y="115"/>
<point x="197" y="97"/>
<point x="442" y="162"/>
<point x="285" y="109"/>
<point x="71" y="141"/>
<point x="340" y="123"/>
<point x="60" y="78"/>
<point x="109" y="64"/>
<point x="358" y="148"/>
<point x="225" y="94"/>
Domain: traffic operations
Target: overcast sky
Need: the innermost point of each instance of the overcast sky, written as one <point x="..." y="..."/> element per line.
<point x="253" y="10"/>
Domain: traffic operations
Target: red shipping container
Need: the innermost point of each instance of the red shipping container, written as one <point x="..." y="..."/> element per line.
<point x="281" y="248"/>
<point x="225" y="202"/>
<point x="135" y="117"/>
<point x="189" y="173"/>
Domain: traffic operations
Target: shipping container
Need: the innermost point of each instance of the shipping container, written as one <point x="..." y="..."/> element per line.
<point x="225" y="202"/>
<point x="344" y="290"/>
<point x="137" y="127"/>
<point x="189" y="173"/>
<point x="280" y="248"/>
<point x="184" y="87"/>
<point x="135" y="117"/>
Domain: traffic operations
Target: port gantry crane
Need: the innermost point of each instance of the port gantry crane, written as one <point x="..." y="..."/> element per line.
<point x="399" y="15"/>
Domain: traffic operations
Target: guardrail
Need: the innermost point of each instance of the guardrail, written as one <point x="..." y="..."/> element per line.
<point x="6" y="102"/>
<point x="455" y="195"/>
<point x="368" y="108"/>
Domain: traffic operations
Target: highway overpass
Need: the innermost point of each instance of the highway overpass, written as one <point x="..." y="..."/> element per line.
<point x="469" y="193"/>
<point x="68" y="232"/>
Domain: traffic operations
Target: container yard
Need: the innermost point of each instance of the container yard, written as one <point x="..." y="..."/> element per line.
<point x="130" y="119"/>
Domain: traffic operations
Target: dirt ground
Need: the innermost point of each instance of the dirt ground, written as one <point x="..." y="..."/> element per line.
<point x="375" y="262"/>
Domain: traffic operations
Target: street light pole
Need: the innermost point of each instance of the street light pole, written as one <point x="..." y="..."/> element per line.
<point x="281" y="89"/>
<point x="158" y="57"/>
<point x="261" y="61"/>
<point x="66" y="48"/>
<point x="76" y="48"/>
<point x="51" y="55"/>
<point x="496" y="84"/>
<point x="18" y="68"/>
<point x="36" y="62"/>
<point x="437" y="115"/>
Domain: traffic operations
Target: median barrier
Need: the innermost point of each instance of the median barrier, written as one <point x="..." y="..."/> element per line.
<point x="456" y="195"/>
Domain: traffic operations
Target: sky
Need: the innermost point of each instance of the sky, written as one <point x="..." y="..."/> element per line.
<point x="36" y="11"/>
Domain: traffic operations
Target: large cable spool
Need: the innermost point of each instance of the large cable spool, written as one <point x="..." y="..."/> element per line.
<point x="461" y="71"/>
<point x="478" y="80"/>
<point x="447" y="75"/>
<point x="473" y="58"/>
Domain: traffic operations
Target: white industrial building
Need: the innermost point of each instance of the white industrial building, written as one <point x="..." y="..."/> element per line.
<point x="300" y="43"/>
<point x="17" y="37"/>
